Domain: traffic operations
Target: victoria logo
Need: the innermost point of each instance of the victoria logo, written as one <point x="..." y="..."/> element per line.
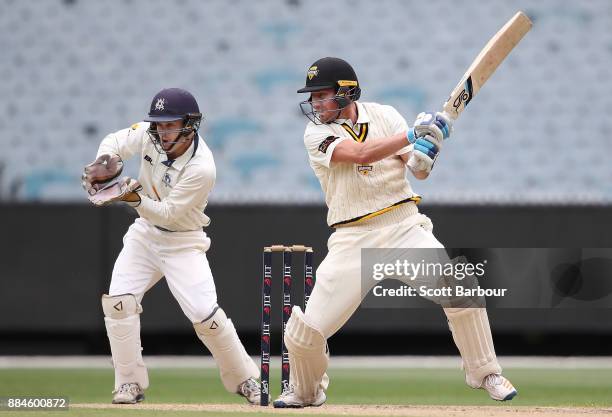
<point x="167" y="180"/>
<point x="159" y="105"/>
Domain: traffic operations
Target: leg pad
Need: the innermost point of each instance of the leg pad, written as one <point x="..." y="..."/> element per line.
<point x="472" y="335"/>
<point x="219" y="336"/>
<point x="122" y="320"/>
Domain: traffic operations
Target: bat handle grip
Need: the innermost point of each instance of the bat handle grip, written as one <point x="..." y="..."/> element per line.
<point x="449" y="115"/>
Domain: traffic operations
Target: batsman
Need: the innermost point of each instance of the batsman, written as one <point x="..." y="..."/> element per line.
<point x="361" y="153"/>
<point x="177" y="173"/>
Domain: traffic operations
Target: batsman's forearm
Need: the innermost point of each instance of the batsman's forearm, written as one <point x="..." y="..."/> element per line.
<point x="377" y="149"/>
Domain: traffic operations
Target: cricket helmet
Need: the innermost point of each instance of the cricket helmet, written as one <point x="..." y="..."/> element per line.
<point x="169" y="105"/>
<point x="332" y="73"/>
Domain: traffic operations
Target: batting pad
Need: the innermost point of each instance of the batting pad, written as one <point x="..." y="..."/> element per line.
<point x="219" y="336"/>
<point x="472" y="335"/>
<point x="308" y="356"/>
<point x="122" y="320"/>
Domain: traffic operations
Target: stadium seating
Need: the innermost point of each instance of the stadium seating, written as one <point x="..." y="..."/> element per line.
<point x="74" y="70"/>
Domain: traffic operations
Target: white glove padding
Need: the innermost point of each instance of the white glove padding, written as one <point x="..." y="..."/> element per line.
<point x="438" y="125"/>
<point x="124" y="189"/>
<point x="424" y="154"/>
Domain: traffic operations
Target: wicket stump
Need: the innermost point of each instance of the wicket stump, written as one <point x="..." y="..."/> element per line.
<point x="266" y="304"/>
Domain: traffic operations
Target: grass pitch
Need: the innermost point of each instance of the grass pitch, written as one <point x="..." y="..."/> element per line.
<point x="591" y="388"/>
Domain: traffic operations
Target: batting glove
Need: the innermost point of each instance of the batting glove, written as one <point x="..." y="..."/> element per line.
<point x="424" y="154"/>
<point x="438" y="125"/>
<point x="427" y="136"/>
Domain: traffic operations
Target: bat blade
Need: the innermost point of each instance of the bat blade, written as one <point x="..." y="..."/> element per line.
<point x="485" y="64"/>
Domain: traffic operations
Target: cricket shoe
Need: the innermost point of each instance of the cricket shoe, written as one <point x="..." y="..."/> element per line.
<point x="250" y="390"/>
<point x="498" y="387"/>
<point x="289" y="399"/>
<point x="128" y="393"/>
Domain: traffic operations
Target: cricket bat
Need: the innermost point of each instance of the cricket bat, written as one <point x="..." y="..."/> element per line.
<point x="485" y="64"/>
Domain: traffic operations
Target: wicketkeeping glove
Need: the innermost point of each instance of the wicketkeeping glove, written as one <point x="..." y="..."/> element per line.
<point x="125" y="189"/>
<point x="101" y="172"/>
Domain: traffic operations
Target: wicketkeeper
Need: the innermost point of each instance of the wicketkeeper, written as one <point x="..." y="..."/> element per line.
<point x="177" y="173"/>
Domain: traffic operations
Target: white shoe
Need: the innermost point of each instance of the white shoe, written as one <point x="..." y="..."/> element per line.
<point x="128" y="393"/>
<point x="498" y="387"/>
<point x="289" y="399"/>
<point x="250" y="390"/>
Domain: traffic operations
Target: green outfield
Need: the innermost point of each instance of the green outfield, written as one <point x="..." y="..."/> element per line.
<point x="430" y="387"/>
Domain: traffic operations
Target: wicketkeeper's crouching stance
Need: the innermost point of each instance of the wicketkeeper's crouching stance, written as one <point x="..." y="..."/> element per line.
<point x="177" y="173"/>
<point x="361" y="154"/>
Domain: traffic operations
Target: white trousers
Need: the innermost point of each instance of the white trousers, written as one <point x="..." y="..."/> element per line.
<point x="338" y="292"/>
<point x="148" y="254"/>
<point x="338" y="289"/>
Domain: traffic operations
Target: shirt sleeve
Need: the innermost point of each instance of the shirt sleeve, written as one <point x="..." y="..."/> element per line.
<point x="124" y="143"/>
<point x="193" y="187"/>
<point x="397" y="124"/>
<point x="320" y="146"/>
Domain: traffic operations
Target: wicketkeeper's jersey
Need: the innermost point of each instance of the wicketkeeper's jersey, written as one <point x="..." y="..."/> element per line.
<point x="175" y="193"/>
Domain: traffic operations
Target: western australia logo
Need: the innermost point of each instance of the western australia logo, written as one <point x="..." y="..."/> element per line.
<point x="365" y="169"/>
<point x="313" y="72"/>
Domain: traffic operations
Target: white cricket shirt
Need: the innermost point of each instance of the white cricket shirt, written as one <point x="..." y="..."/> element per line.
<point x="354" y="192"/>
<point x="175" y="193"/>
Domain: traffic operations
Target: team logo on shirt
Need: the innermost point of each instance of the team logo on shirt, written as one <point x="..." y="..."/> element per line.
<point x="326" y="142"/>
<point x="167" y="180"/>
<point x="160" y="104"/>
<point x="364" y="169"/>
<point x="312" y="72"/>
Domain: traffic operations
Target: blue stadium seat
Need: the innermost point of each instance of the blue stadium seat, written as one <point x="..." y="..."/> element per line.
<point x="73" y="71"/>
